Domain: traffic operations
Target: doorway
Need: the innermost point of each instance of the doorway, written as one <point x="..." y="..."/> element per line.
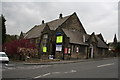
<point x="91" y="51"/>
<point x="53" y="50"/>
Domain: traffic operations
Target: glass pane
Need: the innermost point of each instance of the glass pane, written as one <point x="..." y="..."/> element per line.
<point x="4" y="55"/>
<point x="44" y="44"/>
<point x="45" y="36"/>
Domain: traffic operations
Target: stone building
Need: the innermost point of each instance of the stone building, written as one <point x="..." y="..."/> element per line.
<point x="113" y="44"/>
<point x="66" y="38"/>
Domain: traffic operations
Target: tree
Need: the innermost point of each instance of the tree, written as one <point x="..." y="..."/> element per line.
<point x="117" y="48"/>
<point x="11" y="47"/>
<point x="2" y="25"/>
<point x="10" y="38"/>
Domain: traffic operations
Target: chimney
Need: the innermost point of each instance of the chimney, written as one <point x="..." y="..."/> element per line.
<point x="42" y="21"/>
<point x="60" y="16"/>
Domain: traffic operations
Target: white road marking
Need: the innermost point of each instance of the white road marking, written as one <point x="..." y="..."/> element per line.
<point x="28" y="67"/>
<point x="105" y="65"/>
<point x="72" y="71"/>
<point x="46" y="74"/>
<point x="38" y="77"/>
<point x="56" y="72"/>
<point x="43" y="75"/>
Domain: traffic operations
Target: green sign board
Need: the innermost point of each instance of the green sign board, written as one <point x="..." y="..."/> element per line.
<point x="59" y="39"/>
<point x="44" y="49"/>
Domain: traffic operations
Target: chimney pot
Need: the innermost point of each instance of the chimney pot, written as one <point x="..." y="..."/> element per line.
<point x="60" y="16"/>
<point x="42" y="21"/>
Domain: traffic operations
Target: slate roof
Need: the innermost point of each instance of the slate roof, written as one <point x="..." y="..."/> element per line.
<point x="56" y="23"/>
<point x="24" y="34"/>
<point x="101" y="44"/>
<point x="75" y="36"/>
<point x="53" y="25"/>
<point x="100" y="36"/>
<point x="34" y="32"/>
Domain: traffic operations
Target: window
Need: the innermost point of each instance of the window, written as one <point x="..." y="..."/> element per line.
<point x="73" y="29"/>
<point x="44" y="43"/>
<point x="82" y="49"/>
<point x="83" y="38"/>
<point x="36" y="40"/>
<point x="31" y="41"/>
<point x="3" y="55"/>
<point x="77" y="49"/>
<point x="45" y="36"/>
<point x="74" y="48"/>
<point x="45" y="40"/>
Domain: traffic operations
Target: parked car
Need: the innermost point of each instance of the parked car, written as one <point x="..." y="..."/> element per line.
<point x="3" y="57"/>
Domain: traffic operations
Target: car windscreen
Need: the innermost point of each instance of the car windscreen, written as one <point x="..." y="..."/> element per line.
<point x="3" y="55"/>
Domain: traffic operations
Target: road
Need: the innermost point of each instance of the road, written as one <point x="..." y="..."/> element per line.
<point x="107" y="68"/>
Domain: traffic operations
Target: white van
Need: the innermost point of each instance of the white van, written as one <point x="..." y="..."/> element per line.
<point x="3" y="57"/>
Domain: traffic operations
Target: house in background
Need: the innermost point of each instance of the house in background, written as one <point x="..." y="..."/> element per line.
<point x="21" y="35"/>
<point x="112" y="46"/>
<point x="66" y="38"/>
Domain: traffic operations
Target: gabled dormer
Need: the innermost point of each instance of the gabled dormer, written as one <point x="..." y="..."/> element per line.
<point x="46" y="29"/>
<point x="101" y="37"/>
<point x="73" y="23"/>
<point x="92" y="38"/>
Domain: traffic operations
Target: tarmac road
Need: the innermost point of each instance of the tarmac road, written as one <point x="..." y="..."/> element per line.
<point x="107" y="68"/>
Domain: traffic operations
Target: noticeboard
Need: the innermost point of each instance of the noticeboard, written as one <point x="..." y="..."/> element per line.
<point x="58" y="47"/>
<point x="69" y="51"/>
<point x="44" y="49"/>
<point x="59" y="39"/>
<point x="77" y="49"/>
<point x="66" y="50"/>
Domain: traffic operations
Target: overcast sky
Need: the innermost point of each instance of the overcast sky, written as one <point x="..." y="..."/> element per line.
<point x="98" y="17"/>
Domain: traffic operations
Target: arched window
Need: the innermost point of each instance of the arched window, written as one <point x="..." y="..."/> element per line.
<point x="44" y="43"/>
<point x="45" y="36"/>
<point x="83" y="38"/>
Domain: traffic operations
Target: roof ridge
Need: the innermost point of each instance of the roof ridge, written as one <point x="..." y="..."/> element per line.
<point x="55" y="20"/>
<point x="53" y="24"/>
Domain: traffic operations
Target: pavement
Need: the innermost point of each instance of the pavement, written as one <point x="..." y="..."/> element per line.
<point x="65" y="61"/>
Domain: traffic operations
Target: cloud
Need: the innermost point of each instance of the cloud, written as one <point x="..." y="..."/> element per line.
<point x="98" y="17"/>
<point x="60" y="0"/>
